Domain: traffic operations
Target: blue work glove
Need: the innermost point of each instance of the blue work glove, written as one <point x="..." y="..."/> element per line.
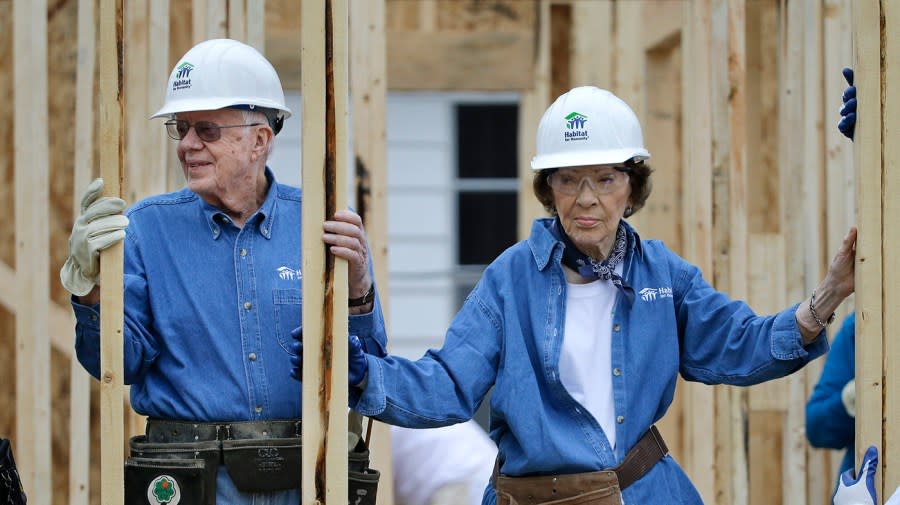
<point x="859" y="490"/>
<point x="847" y="124"/>
<point x="357" y="366"/>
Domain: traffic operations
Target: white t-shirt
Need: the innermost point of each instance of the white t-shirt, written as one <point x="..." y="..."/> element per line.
<point x="585" y="361"/>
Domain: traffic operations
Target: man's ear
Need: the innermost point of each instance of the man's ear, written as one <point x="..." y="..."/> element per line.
<point x="262" y="140"/>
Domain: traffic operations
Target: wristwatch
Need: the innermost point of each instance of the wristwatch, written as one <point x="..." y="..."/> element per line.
<point x="364" y="299"/>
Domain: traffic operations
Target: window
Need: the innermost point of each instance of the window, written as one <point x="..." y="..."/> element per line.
<point x="487" y="188"/>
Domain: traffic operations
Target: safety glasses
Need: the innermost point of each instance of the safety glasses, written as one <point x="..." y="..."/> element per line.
<point x="602" y="182"/>
<point x="206" y="130"/>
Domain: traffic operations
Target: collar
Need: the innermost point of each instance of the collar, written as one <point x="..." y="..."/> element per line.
<point x="262" y="219"/>
<point x="544" y="245"/>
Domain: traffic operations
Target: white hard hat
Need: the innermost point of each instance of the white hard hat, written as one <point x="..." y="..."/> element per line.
<point x="221" y="73"/>
<point x="588" y="126"/>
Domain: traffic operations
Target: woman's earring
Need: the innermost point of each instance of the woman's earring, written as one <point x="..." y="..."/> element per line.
<point x="628" y="211"/>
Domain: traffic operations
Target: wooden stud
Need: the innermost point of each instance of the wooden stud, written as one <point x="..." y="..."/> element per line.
<point x="237" y="20"/>
<point x="324" y="140"/>
<point x="890" y="116"/>
<point x="158" y="144"/>
<point x="700" y="457"/>
<point x="792" y="175"/>
<point x="368" y="86"/>
<point x="80" y="381"/>
<point x="31" y="149"/>
<point x="534" y="102"/>
<point x="870" y="281"/>
<point x="136" y="76"/>
<point x="592" y="35"/>
<point x="111" y="141"/>
<point x="256" y="23"/>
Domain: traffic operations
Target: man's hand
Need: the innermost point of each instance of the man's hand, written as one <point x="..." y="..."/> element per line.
<point x="100" y="225"/>
<point x="847" y="124"/>
<point x="357" y="366"/>
<point x="346" y="239"/>
<point x="859" y="490"/>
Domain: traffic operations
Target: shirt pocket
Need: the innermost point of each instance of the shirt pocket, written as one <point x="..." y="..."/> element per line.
<point x="288" y="305"/>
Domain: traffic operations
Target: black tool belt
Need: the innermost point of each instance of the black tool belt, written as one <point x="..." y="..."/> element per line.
<point x="11" y="492"/>
<point x="259" y="456"/>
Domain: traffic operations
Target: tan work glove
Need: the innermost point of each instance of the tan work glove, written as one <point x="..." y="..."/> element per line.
<point x="100" y="225"/>
<point x="848" y="397"/>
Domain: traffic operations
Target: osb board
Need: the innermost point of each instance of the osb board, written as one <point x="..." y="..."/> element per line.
<point x="460" y="45"/>
<point x="461" y="15"/>
<point x="764" y="447"/>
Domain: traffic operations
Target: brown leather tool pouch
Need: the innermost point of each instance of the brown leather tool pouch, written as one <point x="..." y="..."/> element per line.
<point x="603" y="487"/>
<point x="594" y="488"/>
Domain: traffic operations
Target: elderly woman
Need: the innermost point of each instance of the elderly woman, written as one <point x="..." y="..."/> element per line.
<point x="583" y="329"/>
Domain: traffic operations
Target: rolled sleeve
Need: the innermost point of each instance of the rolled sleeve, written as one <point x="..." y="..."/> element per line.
<point x="787" y="342"/>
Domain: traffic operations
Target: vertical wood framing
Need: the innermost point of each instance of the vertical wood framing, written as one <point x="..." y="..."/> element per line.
<point x="32" y="247"/>
<point x="792" y="175"/>
<point x="137" y="45"/>
<point x="256" y="21"/>
<point x="867" y="146"/>
<point x="80" y="389"/>
<point x="840" y="184"/>
<point x="592" y="33"/>
<point x="158" y="142"/>
<point x="700" y="462"/>
<point x="237" y="20"/>
<point x="324" y="91"/>
<point x="890" y="82"/>
<point x="534" y="102"/>
<point x="368" y="83"/>
<point x="110" y="137"/>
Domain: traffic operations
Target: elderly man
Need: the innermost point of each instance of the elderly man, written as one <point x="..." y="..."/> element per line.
<point x="213" y="293"/>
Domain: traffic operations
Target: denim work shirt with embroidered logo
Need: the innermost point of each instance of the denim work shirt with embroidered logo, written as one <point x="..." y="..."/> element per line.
<point x="209" y="308"/>
<point x="508" y="335"/>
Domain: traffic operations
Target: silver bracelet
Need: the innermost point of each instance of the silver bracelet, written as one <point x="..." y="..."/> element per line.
<point x="812" y="310"/>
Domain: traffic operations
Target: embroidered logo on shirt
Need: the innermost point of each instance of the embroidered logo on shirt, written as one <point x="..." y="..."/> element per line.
<point x="288" y="273"/>
<point x="651" y="294"/>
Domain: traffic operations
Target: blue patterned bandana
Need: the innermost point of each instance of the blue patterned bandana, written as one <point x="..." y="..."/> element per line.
<point x="592" y="269"/>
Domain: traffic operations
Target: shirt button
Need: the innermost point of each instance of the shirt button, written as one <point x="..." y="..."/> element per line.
<point x="620" y="419"/>
<point x="616" y="327"/>
<point x="258" y="409"/>
<point x="248" y="305"/>
<point x="617" y="371"/>
<point x="93" y="317"/>
<point x="252" y="356"/>
<point x="243" y="252"/>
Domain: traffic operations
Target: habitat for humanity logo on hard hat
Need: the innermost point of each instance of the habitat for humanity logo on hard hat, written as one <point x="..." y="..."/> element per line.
<point x="182" y="76"/>
<point x="575" y="122"/>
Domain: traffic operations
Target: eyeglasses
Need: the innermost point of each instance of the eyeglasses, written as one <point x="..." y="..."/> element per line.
<point x="602" y="182"/>
<point x="206" y="130"/>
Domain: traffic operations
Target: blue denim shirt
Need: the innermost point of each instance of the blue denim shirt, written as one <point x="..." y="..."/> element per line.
<point x="828" y="424"/>
<point x="508" y="335"/>
<point x="209" y="308"/>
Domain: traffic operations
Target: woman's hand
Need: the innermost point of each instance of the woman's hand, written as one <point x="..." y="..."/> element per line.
<point x="839" y="283"/>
